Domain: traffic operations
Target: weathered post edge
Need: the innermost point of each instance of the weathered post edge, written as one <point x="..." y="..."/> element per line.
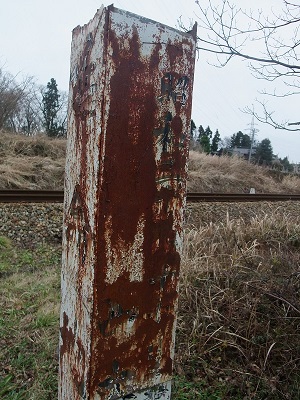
<point x="128" y="134"/>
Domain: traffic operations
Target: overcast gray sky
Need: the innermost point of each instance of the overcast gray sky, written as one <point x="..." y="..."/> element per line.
<point x="35" y="39"/>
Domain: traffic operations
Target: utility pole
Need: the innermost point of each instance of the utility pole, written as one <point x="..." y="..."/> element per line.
<point x="253" y="131"/>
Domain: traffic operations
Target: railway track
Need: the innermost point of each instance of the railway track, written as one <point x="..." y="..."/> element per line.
<point x="240" y="197"/>
<point x="31" y="196"/>
<point x="56" y="196"/>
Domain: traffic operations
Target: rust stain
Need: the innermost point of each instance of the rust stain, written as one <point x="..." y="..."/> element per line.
<point x="123" y="219"/>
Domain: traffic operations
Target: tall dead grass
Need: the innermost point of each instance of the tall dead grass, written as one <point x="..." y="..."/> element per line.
<point x="240" y="306"/>
<point x="233" y="174"/>
<point x="36" y="162"/>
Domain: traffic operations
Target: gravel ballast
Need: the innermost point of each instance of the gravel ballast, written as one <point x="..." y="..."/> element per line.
<point x="30" y="225"/>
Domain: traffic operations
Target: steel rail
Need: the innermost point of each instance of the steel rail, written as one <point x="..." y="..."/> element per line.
<point x="31" y="196"/>
<point x="240" y="197"/>
<point x="57" y="196"/>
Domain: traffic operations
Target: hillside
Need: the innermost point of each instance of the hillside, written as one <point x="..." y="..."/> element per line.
<point x="235" y="175"/>
<point x="35" y="162"/>
<point x="38" y="162"/>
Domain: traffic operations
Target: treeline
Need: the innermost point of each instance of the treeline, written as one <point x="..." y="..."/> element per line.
<point x="204" y="140"/>
<point x="29" y="108"/>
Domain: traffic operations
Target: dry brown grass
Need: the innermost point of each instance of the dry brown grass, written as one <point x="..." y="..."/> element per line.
<point x="31" y="146"/>
<point x="235" y="175"/>
<point x="240" y="306"/>
<point x="36" y="162"/>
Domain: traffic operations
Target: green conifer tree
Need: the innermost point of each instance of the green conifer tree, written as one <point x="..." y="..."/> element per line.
<point x="215" y="142"/>
<point x="50" y="109"/>
<point x="264" y="152"/>
<point x="240" y="139"/>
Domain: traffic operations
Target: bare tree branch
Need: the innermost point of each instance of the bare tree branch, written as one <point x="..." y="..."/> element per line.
<point x="267" y="118"/>
<point x="229" y="32"/>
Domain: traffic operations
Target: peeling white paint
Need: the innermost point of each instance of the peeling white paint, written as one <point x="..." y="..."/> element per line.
<point x="125" y="257"/>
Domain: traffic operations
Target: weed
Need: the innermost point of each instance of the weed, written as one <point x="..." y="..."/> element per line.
<point x="240" y="306"/>
<point x="45" y="320"/>
<point x="183" y="389"/>
<point x="29" y="304"/>
<point x="4" y="242"/>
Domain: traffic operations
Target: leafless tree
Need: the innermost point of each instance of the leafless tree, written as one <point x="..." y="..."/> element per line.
<point x="18" y="107"/>
<point x="271" y="44"/>
<point x="21" y="105"/>
<point x="11" y="94"/>
<point x="29" y="117"/>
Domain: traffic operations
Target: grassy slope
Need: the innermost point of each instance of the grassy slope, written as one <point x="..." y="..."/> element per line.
<point x="38" y="163"/>
<point x="31" y="162"/>
<point x="235" y="175"/>
<point x="238" y="335"/>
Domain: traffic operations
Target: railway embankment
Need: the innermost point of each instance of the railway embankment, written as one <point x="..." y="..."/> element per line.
<point x="31" y="224"/>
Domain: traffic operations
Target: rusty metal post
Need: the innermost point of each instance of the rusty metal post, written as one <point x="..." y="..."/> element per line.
<point x="128" y="126"/>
